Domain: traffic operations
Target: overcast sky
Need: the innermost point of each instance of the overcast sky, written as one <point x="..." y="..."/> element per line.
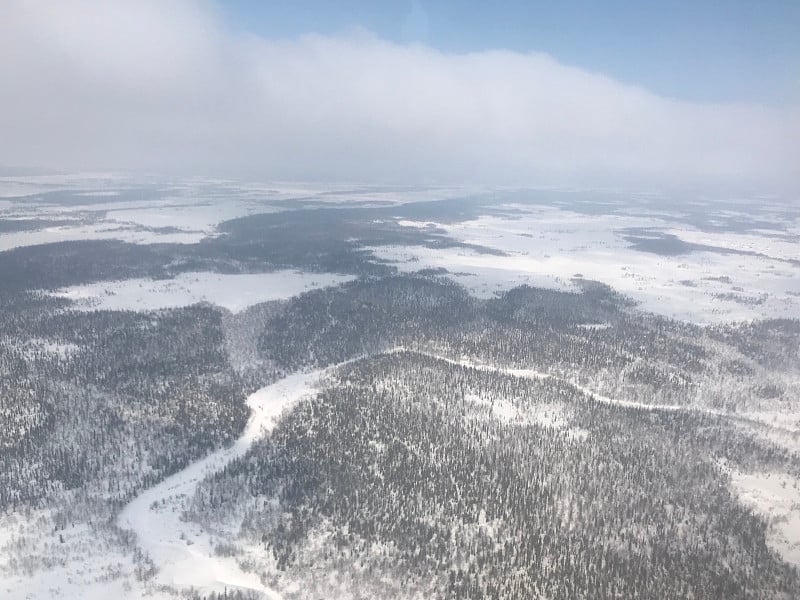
<point x="181" y="86"/>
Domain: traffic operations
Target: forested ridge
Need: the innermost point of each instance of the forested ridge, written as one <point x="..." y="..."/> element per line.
<point x="404" y="464"/>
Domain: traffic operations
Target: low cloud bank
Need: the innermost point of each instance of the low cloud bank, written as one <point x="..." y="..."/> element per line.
<point x="165" y="86"/>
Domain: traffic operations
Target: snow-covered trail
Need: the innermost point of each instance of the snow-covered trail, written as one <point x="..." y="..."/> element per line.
<point x="534" y="374"/>
<point x="183" y="551"/>
<point x="751" y="422"/>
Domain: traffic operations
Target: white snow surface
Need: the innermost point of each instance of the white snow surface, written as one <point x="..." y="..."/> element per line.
<point x="185" y="211"/>
<point x="548" y="247"/>
<point x="66" y="233"/>
<point x="183" y="551"/>
<point x="234" y="292"/>
<point x="776" y="496"/>
<point x="40" y="563"/>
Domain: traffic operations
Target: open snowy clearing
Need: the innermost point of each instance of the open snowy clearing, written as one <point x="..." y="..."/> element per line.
<point x="183" y="552"/>
<point x="234" y="292"/>
<point x="548" y="247"/>
<point x="774" y="244"/>
<point x="171" y="219"/>
<point x="41" y="562"/>
<point x="544" y="415"/>
<point x="776" y="496"/>
<point x="133" y="235"/>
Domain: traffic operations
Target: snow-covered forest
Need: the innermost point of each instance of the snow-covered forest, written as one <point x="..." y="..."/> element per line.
<point x="275" y="410"/>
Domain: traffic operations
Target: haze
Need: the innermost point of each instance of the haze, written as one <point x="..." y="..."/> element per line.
<point x="170" y="87"/>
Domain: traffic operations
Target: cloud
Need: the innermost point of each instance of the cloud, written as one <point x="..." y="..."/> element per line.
<point x="164" y="86"/>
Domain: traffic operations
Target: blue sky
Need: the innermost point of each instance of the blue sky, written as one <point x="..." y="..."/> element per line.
<point x="732" y="51"/>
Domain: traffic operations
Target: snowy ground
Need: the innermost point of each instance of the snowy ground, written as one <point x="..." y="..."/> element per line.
<point x="145" y="211"/>
<point x="719" y="270"/>
<point x="550" y="415"/>
<point x="184" y="552"/>
<point x="171" y="219"/>
<point x="547" y="246"/>
<point x="103" y="231"/>
<point x="234" y="292"/>
<point x="776" y="496"/>
<point x="79" y="561"/>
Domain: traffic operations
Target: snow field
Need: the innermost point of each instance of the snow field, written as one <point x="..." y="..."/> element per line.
<point x="548" y="247"/>
<point x="234" y="292"/>
<point x="776" y="496"/>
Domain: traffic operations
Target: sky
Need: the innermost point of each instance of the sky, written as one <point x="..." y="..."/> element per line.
<point x="737" y="50"/>
<point x="637" y="94"/>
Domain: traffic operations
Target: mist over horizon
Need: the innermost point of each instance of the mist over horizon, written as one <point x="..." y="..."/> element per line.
<point x="175" y="89"/>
